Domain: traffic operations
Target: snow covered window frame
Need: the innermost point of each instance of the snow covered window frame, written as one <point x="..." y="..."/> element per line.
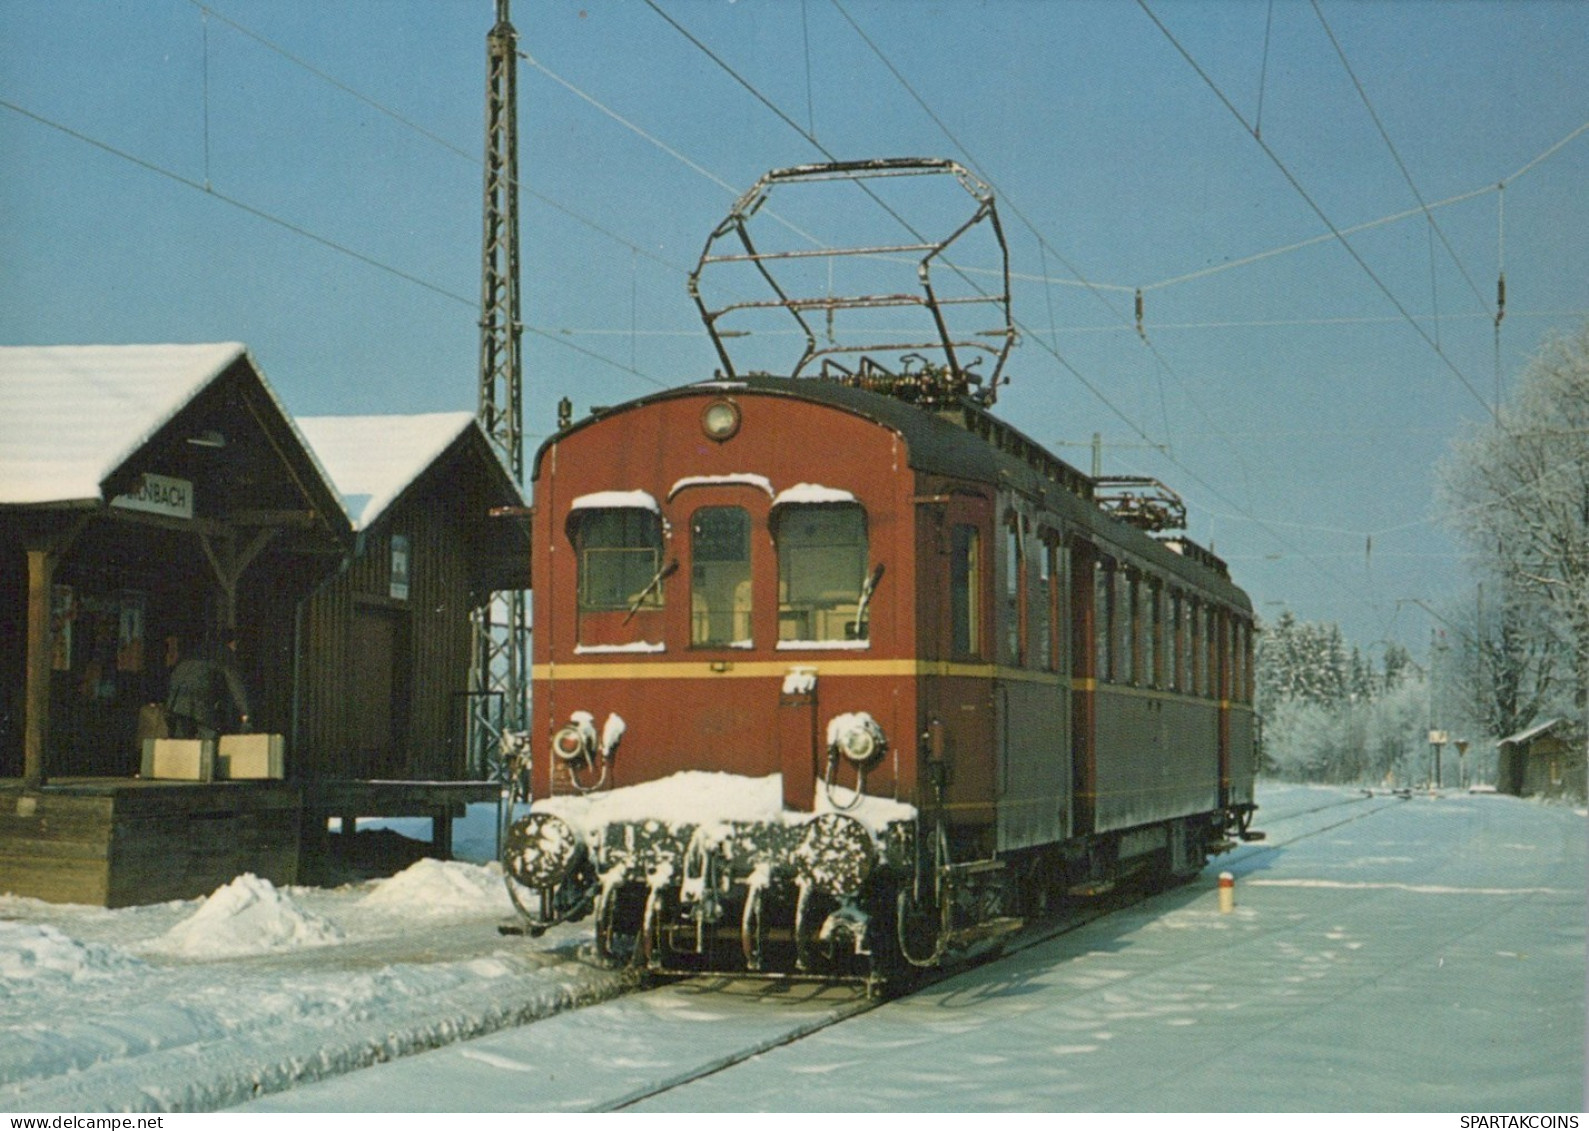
<point x="823" y="560"/>
<point x="619" y="553"/>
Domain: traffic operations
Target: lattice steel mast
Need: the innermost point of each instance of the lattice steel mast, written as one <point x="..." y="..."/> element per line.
<point x="499" y="682"/>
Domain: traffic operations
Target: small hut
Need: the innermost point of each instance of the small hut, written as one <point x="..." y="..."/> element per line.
<point x="384" y="698"/>
<point x="1542" y="761"/>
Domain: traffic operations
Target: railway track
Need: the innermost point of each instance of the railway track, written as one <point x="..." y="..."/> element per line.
<point x="1038" y="935"/>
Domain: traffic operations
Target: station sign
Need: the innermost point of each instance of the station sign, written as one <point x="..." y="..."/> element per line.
<point x="159" y="494"/>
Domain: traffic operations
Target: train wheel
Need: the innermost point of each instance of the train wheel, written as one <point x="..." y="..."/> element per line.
<point x="652" y="946"/>
<point x="619" y="919"/>
<point x="919" y="929"/>
<point x="752" y="929"/>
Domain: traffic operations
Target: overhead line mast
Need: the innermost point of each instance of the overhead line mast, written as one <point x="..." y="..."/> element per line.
<point x="499" y="681"/>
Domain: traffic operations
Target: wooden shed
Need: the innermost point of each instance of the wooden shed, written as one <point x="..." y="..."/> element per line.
<point x="1542" y="761"/>
<point x="148" y="494"/>
<point x="439" y="523"/>
<point x="153" y="493"/>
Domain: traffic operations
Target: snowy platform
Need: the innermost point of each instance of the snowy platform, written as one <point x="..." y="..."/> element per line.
<point x="117" y="842"/>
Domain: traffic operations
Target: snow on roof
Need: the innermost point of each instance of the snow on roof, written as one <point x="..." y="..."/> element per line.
<point x="600" y="500"/>
<point x="738" y="479"/>
<point x="71" y="415"/>
<point x="813" y="493"/>
<point x="371" y="460"/>
<point x="1532" y="732"/>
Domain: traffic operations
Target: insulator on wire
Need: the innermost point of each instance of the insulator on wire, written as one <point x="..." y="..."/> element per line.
<point x="1500" y="298"/>
<point x="1141" y="333"/>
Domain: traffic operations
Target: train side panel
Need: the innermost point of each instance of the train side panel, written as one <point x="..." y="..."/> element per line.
<point x="1156" y="757"/>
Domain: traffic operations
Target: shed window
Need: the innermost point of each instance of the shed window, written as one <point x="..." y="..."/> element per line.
<point x="720" y="589"/>
<point x="620" y="552"/>
<point x="822" y="558"/>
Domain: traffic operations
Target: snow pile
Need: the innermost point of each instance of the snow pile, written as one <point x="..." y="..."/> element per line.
<point x="691" y="797"/>
<point x="443" y="887"/>
<point x="247" y="916"/>
<point x="876" y="813"/>
<point x="707" y="799"/>
<point x="39" y="953"/>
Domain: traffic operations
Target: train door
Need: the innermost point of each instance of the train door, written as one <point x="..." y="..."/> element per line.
<point x="957" y="691"/>
<point x="1084" y="687"/>
<point x="1033" y="716"/>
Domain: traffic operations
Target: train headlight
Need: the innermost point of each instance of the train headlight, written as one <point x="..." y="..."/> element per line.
<point x="540" y="850"/>
<point x="858" y="737"/>
<point x="720" y="420"/>
<point x="576" y="740"/>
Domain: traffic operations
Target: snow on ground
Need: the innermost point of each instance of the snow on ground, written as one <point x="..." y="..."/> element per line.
<point x="201" y="1004"/>
<point x="1427" y="957"/>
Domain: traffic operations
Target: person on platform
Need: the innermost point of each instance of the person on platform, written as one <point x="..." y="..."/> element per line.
<point x="207" y="697"/>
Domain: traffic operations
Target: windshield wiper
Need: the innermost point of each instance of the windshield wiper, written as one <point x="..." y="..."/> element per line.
<point x="661" y="574"/>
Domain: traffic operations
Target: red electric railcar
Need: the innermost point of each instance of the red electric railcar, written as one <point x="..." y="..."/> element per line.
<point x="839" y="676"/>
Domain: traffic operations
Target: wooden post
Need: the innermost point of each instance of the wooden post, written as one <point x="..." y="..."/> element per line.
<point x="40" y="656"/>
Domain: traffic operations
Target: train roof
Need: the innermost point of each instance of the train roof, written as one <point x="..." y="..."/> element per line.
<point x="962" y="441"/>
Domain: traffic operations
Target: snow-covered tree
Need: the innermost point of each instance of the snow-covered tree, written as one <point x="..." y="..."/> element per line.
<point x="1330" y="716"/>
<point x="1517" y="489"/>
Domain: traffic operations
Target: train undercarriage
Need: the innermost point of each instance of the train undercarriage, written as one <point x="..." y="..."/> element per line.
<point x="825" y="897"/>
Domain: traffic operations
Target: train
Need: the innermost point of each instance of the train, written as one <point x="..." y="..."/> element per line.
<point x="839" y="676"/>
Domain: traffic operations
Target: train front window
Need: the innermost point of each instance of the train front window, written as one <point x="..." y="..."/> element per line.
<point x="720" y="589"/>
<point x="619" y="551"/>
<point x="822" y="571"/>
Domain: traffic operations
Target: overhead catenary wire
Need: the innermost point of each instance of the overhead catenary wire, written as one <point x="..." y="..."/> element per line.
<point x="1384" y="134"/>
<point x="1130" y="422"/>
<point x="1307" y="197"/>
<point x="302" y="231"/>
<point x="1091" y="386"/>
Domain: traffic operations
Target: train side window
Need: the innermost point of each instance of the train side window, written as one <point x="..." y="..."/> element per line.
<point x="1058" y="602"/>
<point x="1154" y="636"/>
<point x="1128" y="647"/>
<point x="1249" y="689"/>
<point x="965" y="591"/>
<point x="1014" y="592"/>
<point x="720" y="584"/>
<point x="822" y="560"/>
<point x="619" y="550"/>
<point x="1194" y="616"/>
<point x="1178" y="628"/>
<point x="1238" y="675"/>
<point x="1040" y="602"/>
<point x="1104" y="619"/>
<point x="1211" y="641"/>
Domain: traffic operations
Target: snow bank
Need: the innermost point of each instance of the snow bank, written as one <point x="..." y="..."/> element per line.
<point x="443" y="887"/>
<point x="247" y="916"/>
<point x="38" y="953"/>
<point x="698" y="797"/>
<point x="691" y="797"/>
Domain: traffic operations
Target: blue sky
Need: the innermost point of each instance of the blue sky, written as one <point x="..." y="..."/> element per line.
<point x="1298" y="400"/>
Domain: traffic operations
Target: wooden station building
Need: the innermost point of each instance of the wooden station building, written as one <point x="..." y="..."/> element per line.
<point x="152" y="496"/>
